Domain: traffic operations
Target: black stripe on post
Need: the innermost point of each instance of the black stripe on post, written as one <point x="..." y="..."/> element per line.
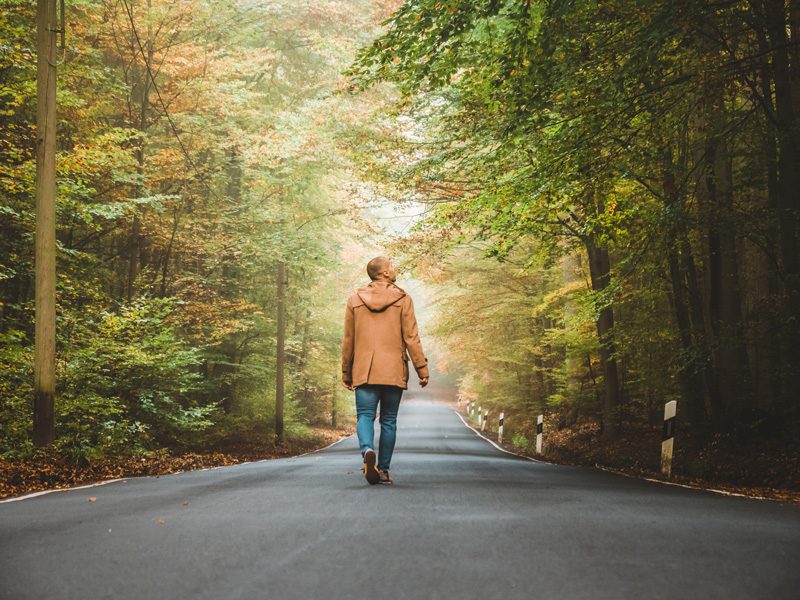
<point x="669" y="429"/>
<point x="539" y="428"/>
<point x="501" y="422"/>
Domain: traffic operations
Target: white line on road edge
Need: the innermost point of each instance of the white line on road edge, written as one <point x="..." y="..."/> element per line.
<point x="688" y="487"/>
<point x="261" y="459"/>
<point x="99" y="483"/>
<point x="478" y="433"/>
<point x="81" y="487"/>
<point x="321" y="449"/>
<point x="628" y="475"/>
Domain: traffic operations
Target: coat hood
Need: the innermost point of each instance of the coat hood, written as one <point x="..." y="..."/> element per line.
<point x="377" y="295"/>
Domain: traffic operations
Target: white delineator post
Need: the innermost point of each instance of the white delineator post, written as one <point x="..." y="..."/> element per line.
<point x="500" y="429"/>
<point x="668" y="437"/>
<point x="480" y="414"/>
<point x="539" y="432"/>
<point x="483" y="421"/>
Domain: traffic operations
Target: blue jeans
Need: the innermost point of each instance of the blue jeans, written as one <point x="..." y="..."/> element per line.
<point x="368" y="396"/>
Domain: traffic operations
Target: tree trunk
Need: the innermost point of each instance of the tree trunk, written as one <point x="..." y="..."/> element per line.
<point x="570" y="266"/>
<point x="280" y="360"/>
<point x="135" y="239"/>
<point x="599" y="270"/>
<point x="44" y="384"/>
<point x="786" y="79"/>
<point x="724" y="299"/>
<point x="305" y="344"/>
<point x="699" y="408"/>
<point x="766" y="351"/>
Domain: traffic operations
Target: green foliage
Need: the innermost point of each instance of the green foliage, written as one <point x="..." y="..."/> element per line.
<point x="128" y="384"/>
<point x="92" y="427"/>
<point x="183" y="178"/>
<point x="16" y="391"/>
<point x="130" y="375"/>
<point x="520" y="441"/>
<point x="550" y="130"/>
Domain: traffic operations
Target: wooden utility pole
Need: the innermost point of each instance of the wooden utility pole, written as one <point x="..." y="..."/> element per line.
<point x="281" y="351"/>
<point x="44" y="365"/>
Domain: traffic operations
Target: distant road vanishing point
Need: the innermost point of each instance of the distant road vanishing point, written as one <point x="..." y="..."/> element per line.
<point x="464" y="520"/>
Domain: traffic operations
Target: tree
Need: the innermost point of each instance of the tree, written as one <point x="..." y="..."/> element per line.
<point x="657" y="139"/>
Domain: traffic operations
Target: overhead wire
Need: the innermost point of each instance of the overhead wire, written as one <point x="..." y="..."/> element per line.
<point x="172" y="125"/>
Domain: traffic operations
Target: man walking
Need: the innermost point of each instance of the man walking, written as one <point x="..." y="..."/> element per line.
<point x="380" y="332"/>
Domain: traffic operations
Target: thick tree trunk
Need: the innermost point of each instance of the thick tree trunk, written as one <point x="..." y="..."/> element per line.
<point x="724" y="295"/>
<point x="767" y="382"/>
<point x="599" y="270"/>
<point x="786" y="79"/>
<point x="44" y="370"/>
<point x="699" y="326"/>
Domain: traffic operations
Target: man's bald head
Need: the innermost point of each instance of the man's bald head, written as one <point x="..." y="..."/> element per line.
<point x="378" y="265"/>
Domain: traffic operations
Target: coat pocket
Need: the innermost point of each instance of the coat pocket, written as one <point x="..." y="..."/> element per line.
<point x="362" y="365"/>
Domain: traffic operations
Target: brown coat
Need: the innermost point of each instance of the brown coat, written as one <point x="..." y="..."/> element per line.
<point x="380" y="332"/>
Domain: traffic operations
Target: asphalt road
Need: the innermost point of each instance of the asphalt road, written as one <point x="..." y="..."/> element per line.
<point x="463" y="520"/>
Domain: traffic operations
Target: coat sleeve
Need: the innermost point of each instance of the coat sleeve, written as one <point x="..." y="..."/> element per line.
<point x="348" y="343"/>
<point x="411" y="338"/>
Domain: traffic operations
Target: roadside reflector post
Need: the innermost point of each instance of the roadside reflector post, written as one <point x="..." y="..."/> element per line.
<point x="483" y="422"/>
<point x="500" y="429"/>
<point x="668" y="437"/>
<point x="539" y="432"/>
<point x="480" y="414"/>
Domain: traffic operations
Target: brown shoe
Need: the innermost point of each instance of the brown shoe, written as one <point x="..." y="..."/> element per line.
<point x="371" y="473"/>
<point x="385" y="477"/>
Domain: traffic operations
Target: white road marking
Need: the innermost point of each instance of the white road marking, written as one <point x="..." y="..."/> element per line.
<point x="326" y="447"/>
<point x="615" y="472"/>
<point x="99" y="483"/>
<point x="683" y="485"/>
<point x="81" y="487"/>
<point x="478" y="433"/>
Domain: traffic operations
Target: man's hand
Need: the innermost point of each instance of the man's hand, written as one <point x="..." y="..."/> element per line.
<point x="423" y="381"/>
<point x="348" y="384"/>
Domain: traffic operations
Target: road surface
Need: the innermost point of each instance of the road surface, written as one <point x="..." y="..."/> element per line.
<point x="464" y="520"/>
